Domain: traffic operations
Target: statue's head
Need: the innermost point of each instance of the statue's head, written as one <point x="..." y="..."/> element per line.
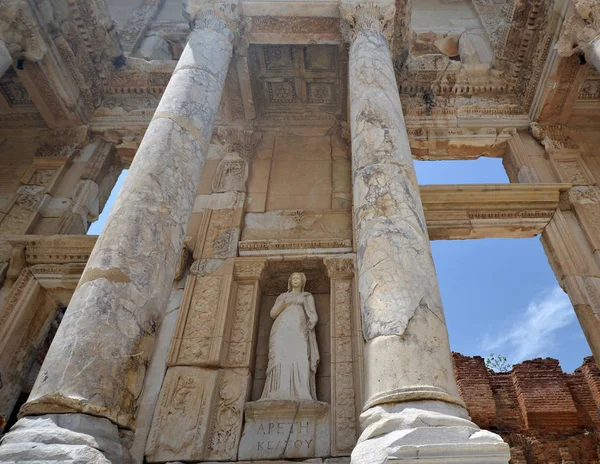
<point x="297" y="281"/>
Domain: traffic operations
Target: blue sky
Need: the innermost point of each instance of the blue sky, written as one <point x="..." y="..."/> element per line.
<point x="500" y="295"/>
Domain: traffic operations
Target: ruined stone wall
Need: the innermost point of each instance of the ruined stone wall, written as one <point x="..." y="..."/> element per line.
<point x="546" y="415"/>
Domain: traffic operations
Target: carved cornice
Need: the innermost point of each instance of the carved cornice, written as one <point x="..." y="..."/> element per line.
<point x="55" y="249"/>
<point x="456" y="212"/>
<point x="137" y="25"/>
<point x="19" y="31"/>
<point x="554" y="137"/>
<point x="367" y="18"/>
<point x="580" y="29"/>
<point x="63" y="142"/>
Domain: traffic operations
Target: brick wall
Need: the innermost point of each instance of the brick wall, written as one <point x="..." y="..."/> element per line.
<point x="545" y="415"/>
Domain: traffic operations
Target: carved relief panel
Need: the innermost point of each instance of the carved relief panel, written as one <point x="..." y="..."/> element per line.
<point x="200" y="410"/>
<point x="232" y="174"/>
<point x="199" y="415"/>
<point x="200" y="333"/>
<point x="218" y="233"/>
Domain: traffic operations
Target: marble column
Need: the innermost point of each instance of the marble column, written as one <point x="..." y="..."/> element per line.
<point x="409" y="381"/>
<point x="592" y="53"/>
<point x="97" y="362"/>
<point x="5" y="58"/>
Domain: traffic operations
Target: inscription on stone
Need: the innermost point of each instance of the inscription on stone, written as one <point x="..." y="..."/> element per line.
<point x="285" y="429"/>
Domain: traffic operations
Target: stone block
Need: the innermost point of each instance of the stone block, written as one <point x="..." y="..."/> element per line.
<point x="289" y="177"/>
<point x="296" y="148"/>
<point x="285" y="429"/>
<point x="259" y="176"/>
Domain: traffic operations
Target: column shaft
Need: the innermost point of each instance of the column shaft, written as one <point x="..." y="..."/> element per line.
<point x="5" y="58"/>
<point x="401" y="306"/>
<point x="592" y="53"/>
<point x="412" y="406"/>
<point x="98" y="359"/>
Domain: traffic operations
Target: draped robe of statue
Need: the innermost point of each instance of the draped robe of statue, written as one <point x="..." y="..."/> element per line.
<point x="293" y="351"/>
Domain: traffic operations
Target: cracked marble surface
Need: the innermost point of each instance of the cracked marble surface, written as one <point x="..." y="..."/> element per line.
<point x="100" y="354"/>
<point x="400" y="300"/>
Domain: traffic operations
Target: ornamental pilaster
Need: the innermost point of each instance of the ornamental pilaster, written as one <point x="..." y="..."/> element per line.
<point x="581" y="31"/>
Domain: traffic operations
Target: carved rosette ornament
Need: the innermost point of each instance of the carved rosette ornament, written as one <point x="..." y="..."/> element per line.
<point x="367" y="18"/>
<point x="581" y="32"/>
<point x="19" y="31"/>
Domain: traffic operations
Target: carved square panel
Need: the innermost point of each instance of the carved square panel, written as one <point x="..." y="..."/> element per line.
<point x="321" y="92"/>
<point x="278" y="57"/>
<point x="299" y="84"/>
<point x="282" y="92"/>
<point x="320" y="58"/>
<point x="14" y="92"/>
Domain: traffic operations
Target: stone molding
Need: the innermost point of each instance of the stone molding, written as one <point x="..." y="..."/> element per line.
<point x="367" y="17"/>
<point x="480" y="211"/>
<point x="554" y="137"/>
<point x="20" y="32"/>
<point x="55" y="249"/>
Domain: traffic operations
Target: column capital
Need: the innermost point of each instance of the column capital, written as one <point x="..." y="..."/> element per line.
<point x="367" y="17"/>
<point x="20" y="32"/>
<point x="239" y="140"/>
<point x="223" y="17"/>
<point x="580" y="29"/>
<point x="339" y="267"/>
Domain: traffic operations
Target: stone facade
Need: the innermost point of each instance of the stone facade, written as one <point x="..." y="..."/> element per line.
<point x="270" y="139"/>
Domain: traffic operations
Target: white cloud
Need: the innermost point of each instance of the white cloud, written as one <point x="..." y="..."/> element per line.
<point x="532" y="333"/>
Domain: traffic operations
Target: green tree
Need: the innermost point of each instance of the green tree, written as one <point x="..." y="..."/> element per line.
<point x="497" y="363"/>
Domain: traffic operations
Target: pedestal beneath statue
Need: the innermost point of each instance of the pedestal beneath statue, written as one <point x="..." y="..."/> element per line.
<point x="285" y="429"/>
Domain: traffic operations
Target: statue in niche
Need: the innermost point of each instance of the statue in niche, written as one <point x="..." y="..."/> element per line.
<point x="293" y="350"/>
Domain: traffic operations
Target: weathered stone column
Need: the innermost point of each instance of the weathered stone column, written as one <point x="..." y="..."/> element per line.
<point x="581" y="32"/>
<point x="592" y="53"/>
<point x="97" y="362"/>
<point x="412" y="406"/>
<point x="5" y="58"/>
